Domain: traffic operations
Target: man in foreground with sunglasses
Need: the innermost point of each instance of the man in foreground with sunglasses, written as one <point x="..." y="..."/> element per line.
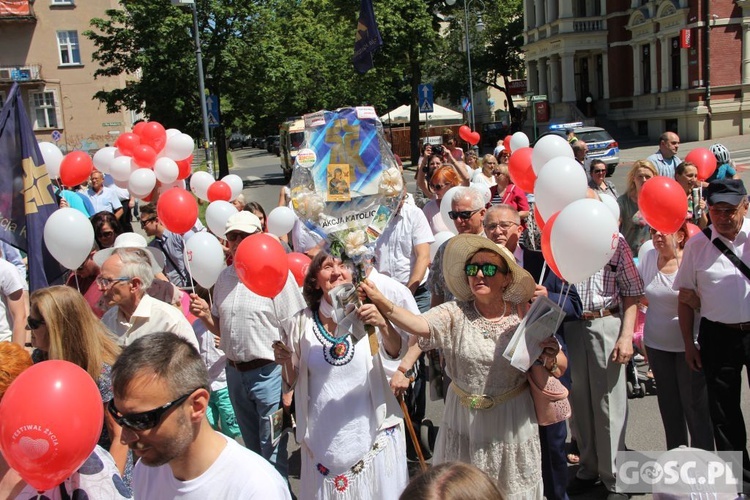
<point x="161" y="394"/>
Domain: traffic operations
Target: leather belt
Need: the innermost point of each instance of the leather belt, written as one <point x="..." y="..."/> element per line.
<point x="601" y="313"/>
<point x="484" y="401"/>
<point x="246" y="366"/>
<point x="745" y="327"/>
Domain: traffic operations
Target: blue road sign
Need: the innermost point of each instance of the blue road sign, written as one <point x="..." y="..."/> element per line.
<point x="426" y="103"/>
<point x="56" y="135"/>
<point x="466" y="104"/>
<point x="212" y="103"/>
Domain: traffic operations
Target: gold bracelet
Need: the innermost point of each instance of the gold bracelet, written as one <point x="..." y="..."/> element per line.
<point x="393" y="306"/>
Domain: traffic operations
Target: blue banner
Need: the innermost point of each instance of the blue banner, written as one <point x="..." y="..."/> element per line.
<point x="26" y="193"/>
<point x="367" y="40"/>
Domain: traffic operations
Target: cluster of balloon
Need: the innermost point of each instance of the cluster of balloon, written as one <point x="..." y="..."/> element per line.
<point x="47" y="437"/>
<point x="579" y="235"/>
<point x="468" y="135"/>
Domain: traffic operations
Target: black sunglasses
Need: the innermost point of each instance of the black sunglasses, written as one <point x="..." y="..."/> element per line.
<point x="146" y="221"/>
<point x="488" y="270"/>
<point x="465" y="214"/>
<point x="235" y="235"/>
<point x="147" y="419"/>
<point x="438" y="187"/>
<point x="33" y="323"/>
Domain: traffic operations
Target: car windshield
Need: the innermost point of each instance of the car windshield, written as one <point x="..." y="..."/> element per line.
<point x="594" y="136"/>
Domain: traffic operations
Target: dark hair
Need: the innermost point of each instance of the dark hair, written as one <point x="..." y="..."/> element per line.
<point x="310" y="289"/>
<point x="148" y="209"/>
<point x="98" y="220"/>
<point x="169" y="357"/>
<point x="451" y="481"/>
<point x="254" y="206"/>
<point x="595" y="163"/>
<point x="680" y="169"/>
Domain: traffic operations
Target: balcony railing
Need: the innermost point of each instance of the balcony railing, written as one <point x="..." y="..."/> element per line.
<point x="588" y="25"/>
<point x="18" y="10"/>
<point x="27" y="73"/>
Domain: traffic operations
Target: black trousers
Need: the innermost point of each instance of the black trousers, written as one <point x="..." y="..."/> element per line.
<point x="724" y="352"/>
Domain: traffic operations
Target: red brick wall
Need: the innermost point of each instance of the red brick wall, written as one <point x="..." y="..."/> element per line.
<point x="726" y="55"/>
<point x="620" y="71"/>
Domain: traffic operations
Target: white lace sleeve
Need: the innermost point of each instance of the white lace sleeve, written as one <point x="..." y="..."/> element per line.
<point x="440" y="320"/>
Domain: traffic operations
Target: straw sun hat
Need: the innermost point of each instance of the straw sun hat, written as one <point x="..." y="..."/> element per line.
<point x="462" y="247"/>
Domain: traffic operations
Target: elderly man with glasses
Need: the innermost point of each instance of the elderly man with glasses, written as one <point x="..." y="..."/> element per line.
<point x="248" y="325"/>
<point x="161" y="395"/>
<point x="124" y="278"/>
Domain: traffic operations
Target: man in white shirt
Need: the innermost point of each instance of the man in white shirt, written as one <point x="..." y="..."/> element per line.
<point x="724" y="300"/>
<point x="666" y="160"/>
<point x="161" y="394"/>
<point x="124" y="278"/>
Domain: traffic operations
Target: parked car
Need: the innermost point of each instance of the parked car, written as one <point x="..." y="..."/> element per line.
<point x="601" y="145"/>
<point x="236" y="141"/>
<point x="273" y="144"/>
<point x="247" y="141"/>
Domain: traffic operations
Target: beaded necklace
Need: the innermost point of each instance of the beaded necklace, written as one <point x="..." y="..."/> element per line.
<point x="337" y="351"/>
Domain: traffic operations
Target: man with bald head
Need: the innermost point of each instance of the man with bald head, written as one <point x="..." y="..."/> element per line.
<point x="666" y="159"/>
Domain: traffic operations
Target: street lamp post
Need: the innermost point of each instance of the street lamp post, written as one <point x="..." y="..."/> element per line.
<point x="467" y="3"/>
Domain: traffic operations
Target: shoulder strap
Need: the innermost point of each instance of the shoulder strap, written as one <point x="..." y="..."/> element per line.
<point x="729" y="254"/>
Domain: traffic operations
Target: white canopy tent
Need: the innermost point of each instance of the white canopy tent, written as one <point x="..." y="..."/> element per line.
<point x="402" y="115"/>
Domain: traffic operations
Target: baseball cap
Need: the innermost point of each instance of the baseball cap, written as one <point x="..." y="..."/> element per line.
<point x="730" y="191"/>
<point x="244" y="221"/>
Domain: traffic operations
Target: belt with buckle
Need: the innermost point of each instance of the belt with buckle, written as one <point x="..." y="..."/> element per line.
<point x="484" y="401"/>
<point x="745" y="327"/>
<point x="246" y="366"/>
<point x="601" y="313"/>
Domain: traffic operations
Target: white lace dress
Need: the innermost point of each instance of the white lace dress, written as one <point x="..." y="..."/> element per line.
<point x="502" y="441"/>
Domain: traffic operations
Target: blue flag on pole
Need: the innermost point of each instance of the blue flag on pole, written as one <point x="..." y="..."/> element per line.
<point x="26" y="195"/>
<point x="367" y="40"/>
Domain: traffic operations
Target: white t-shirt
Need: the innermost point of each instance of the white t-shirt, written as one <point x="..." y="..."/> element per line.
<point x="10" y="282"/>
<point x="394" y="250"/>
<point x="236" y="473"/>
<point x="432" y="211"/>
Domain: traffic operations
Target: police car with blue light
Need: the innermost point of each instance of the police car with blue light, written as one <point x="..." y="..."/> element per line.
<point x="601" y="145"/>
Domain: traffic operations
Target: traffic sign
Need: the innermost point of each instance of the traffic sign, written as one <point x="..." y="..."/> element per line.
<point x="466" y="104"/>
<point x="426" y="103"/>
<point x="56" y="135"/>
<point x="537" y="98"/>
<point x="212" y="103"/>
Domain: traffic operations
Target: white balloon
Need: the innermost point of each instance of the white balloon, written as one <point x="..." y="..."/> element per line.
<point x="445" y="207"/>
<point x="52" y="157"/>
<point x="560" y="182"/>
<point x="647" y="245"/>
<point x="484" y="189"/>
<point x="280" y="221"/>
<point x="217" y="214"/>
<point x="584" y="237"/>
<point x="166" y="170"/>
<point x="440" y="238"/>
<point x="235" y="182"/>
<point x="179" y="147"/>
<point x="548" y="147"/>
<point x="120" y="168"/>
<point x="103" y="159"/>
<point x="199" y="183"/>
<point x="142" y="182"/>
<point x="611" y="203"/>
<point x="205" y="258"/>
<point x="519" y="140"/>
<point x="179" y="184"/>
<point x="171" y="132"/>
<point x="69" y="237"/>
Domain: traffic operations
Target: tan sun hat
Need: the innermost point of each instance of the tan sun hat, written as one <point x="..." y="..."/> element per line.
<point x="462" y="247"/>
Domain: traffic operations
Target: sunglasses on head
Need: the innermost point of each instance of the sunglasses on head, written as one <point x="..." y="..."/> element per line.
<point x="33" y="323"/>
<point x="147" y="419"/>
<point x="464" y="214"/>
<point x="488" y="270"/>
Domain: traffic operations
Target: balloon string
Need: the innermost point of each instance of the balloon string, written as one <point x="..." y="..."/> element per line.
<point x="562" y="298"/>
<point x="541" y="275"/>
<point x="190" y="274"/>
<point x="78" y="286"/>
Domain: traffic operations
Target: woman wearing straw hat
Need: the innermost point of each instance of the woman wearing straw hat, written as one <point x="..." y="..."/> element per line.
<point x="489" y="414"/>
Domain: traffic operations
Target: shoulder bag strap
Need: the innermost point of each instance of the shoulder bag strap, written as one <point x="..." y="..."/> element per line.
<point x="729" y="254"/>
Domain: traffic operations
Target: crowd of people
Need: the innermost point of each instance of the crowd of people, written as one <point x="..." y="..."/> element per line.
<point x="186" y="374"/>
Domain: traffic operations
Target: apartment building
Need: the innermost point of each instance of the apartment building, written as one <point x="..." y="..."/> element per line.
<point x="42" y="47"/>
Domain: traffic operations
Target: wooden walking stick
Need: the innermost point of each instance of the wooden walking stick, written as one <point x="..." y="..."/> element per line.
<point x="412" y="434"/>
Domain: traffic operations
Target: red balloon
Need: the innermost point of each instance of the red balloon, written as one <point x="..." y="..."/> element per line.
<point x="705" y="160"/>
<point x="473" y="138"/>
<point x="692" y="229"/>
<point x="538" y="219"/>
<point x="75" y="168"/>
<point x="463" y="132"/>
<point x="262" y="265"/>
<point x="177" y="210"/>
<point x="298" y="265"/>
<point x="186" y="167"/>
<point x="520" y="169"/>
<point x="47" y="437"/>
<point x="219" y="190"/>
<point x="144" y="156"/>
<point x="127" y="142"/>
<point x="506" y="143"/>
<point x="138" y="127"/>
<point x="663" y="204"/>
<point x="547" y="245"/>
<point x="153" y="134"/>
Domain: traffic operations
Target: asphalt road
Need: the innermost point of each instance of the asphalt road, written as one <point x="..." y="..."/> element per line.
<point x="263" y="180"/>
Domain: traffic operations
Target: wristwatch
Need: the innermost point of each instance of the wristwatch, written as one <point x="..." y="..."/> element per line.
<point x="410" y="373"/>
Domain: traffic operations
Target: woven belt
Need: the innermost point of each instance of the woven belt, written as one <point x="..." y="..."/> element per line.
<point x="246" y="366"/>
<point x="601" y="313"/>
<point x="484" y="401"/>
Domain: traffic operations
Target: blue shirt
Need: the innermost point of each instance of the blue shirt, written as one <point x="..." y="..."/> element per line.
<point x="104" y="201"/>
<point x="173" y="246"/>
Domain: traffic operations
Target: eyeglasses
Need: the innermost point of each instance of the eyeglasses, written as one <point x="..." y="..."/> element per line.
<point x="600" y="170"/>
<point x="504" y="225"/>
<point x="108" y="234"/>
<point x="438" y="187"/>
<point x="146" y="221"/>
<point x="488" y="270"/>
<point x="147" y="419"/>
<point x="105" y="283"/>
<point x="237" y="235"/>
<point x="33" y="323"/>
<point x="464" y="214"/>
<point x="724" y="212"/>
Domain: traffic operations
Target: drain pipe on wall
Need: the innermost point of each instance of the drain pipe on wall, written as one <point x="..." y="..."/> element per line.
<point x="707" y="65"/>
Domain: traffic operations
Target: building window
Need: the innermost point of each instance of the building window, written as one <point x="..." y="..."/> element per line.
<point x="44" y="109"/>
<point x="646" y="68"/>
<point x="67" y="43"/>
<point x="676" y="68"/>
